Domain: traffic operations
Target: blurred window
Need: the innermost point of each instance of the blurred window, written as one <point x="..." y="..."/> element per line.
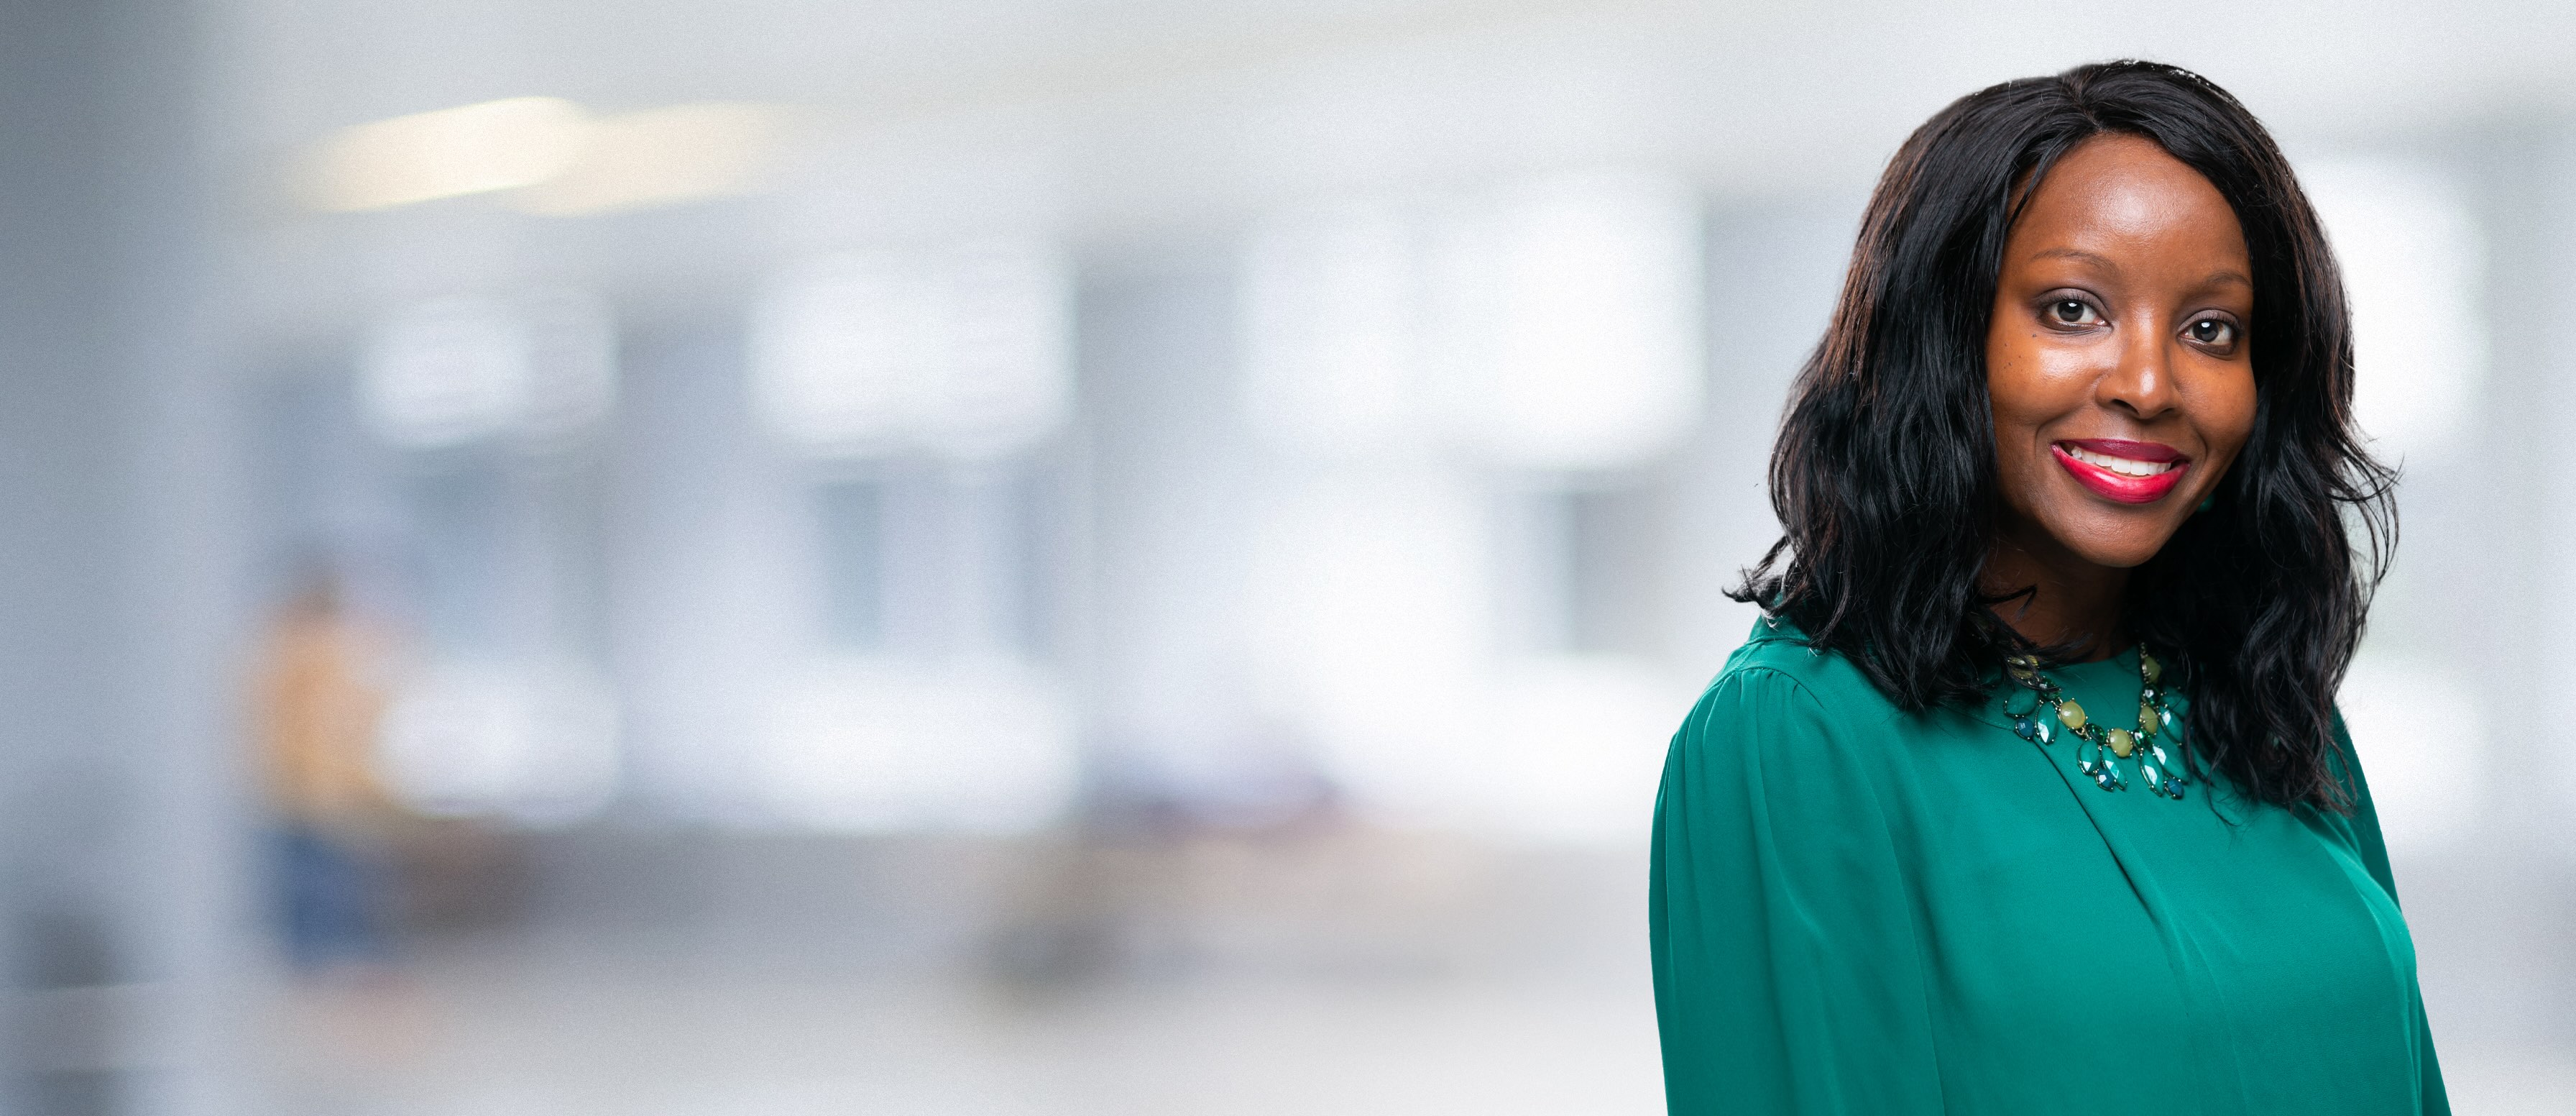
<point x="486" y="411"/>
<point x="927" y="705"/>
<point x="960" y="353"/>
<point x="1553" y="325"/>
<point x="541" y="367"/>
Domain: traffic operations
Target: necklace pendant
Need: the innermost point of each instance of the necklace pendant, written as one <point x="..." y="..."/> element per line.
<point x="2100" y="749"/>
<point x="2071" y="713"/>
<point x="2104" y="775"/>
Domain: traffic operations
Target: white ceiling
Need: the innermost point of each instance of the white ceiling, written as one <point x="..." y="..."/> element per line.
<point x="1121" y="121"/>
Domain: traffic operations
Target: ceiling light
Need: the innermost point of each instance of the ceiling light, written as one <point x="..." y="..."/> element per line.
<point x="677" y="154"/>
<point x="473" y="149"/>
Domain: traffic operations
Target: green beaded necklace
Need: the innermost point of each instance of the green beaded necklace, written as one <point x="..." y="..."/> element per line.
<point x="2108" y="747"/>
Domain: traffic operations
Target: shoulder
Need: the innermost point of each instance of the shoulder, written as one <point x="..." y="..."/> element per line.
<point x="1777" y="653"/>
<point x="1776" y="693"/>
<point x="1786" y="738"/>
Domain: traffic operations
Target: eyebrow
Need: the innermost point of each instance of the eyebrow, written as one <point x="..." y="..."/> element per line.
<point x="2076" y="254"/>
<point x="2216" y="278"/>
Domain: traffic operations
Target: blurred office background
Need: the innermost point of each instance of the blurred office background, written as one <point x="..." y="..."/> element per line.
<point x="785" y="557"/>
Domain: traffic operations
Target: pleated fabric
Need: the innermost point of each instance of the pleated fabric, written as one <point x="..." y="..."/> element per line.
<point x="1857" y="910"/>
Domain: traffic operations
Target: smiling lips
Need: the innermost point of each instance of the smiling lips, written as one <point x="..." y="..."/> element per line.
<point x="2129" y="472"/>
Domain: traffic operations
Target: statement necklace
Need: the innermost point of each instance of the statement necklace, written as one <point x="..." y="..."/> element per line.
<point x="2107" y="748"/>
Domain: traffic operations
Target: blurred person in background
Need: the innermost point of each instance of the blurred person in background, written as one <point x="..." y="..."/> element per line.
<point x="2028" y="794"/>
<point x="322" y="693"/>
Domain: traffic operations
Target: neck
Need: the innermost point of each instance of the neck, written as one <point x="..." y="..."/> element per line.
<point x="2070" y="602"/>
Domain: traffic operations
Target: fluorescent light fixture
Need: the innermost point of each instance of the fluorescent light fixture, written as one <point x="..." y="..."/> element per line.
<point x="556" y="158"/>
<point x="471" y="149"/>
<point x="662" y="157"/>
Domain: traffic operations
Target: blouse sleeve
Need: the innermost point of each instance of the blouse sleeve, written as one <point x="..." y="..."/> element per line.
<point x="2373" y="849"/>
<point x="1787" y="975"/>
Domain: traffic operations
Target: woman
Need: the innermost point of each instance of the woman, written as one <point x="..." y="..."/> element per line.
<point x="2027" y="794"/>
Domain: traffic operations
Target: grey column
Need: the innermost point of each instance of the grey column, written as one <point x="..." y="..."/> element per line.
<point x="120" y="859"/>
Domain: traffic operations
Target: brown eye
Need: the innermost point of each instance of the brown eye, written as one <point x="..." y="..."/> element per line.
<point x="2212" y="331"/>
<point x="2071" y="311"/>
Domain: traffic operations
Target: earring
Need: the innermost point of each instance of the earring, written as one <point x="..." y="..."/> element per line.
<point x="2205" y="502"/>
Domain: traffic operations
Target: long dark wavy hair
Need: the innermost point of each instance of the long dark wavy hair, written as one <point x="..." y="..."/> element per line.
<point x="1884" y="475"/>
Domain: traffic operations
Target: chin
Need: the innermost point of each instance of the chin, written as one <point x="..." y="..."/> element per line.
<point x="2121" y="550"/>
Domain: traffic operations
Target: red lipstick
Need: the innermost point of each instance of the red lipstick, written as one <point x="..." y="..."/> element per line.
<point x="2119" y="486"/>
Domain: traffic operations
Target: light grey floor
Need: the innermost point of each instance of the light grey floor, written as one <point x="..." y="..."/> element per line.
<point x="1342" y="972"/>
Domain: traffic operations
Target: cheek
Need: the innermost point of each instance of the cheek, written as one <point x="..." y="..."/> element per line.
<point x="2016" y="390"/>
<point x="2227" y="418"/>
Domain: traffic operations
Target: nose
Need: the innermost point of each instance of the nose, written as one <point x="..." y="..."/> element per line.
<point x="2142" y="383"/>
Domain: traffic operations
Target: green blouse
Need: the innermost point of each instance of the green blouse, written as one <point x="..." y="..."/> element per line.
<point x="1860" y="910"/>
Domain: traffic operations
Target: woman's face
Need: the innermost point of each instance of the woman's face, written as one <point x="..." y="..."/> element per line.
<point x="2118" y="359"/>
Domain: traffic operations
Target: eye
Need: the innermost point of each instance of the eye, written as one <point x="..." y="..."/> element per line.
<point x="2072" y="312"/>
<point x="2214" y="332"/>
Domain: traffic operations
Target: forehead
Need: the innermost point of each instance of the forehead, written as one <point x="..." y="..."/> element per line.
<point x="2124" y="194"/>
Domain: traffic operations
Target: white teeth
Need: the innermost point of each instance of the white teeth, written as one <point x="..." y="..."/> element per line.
<point x="2125" y="466"/>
